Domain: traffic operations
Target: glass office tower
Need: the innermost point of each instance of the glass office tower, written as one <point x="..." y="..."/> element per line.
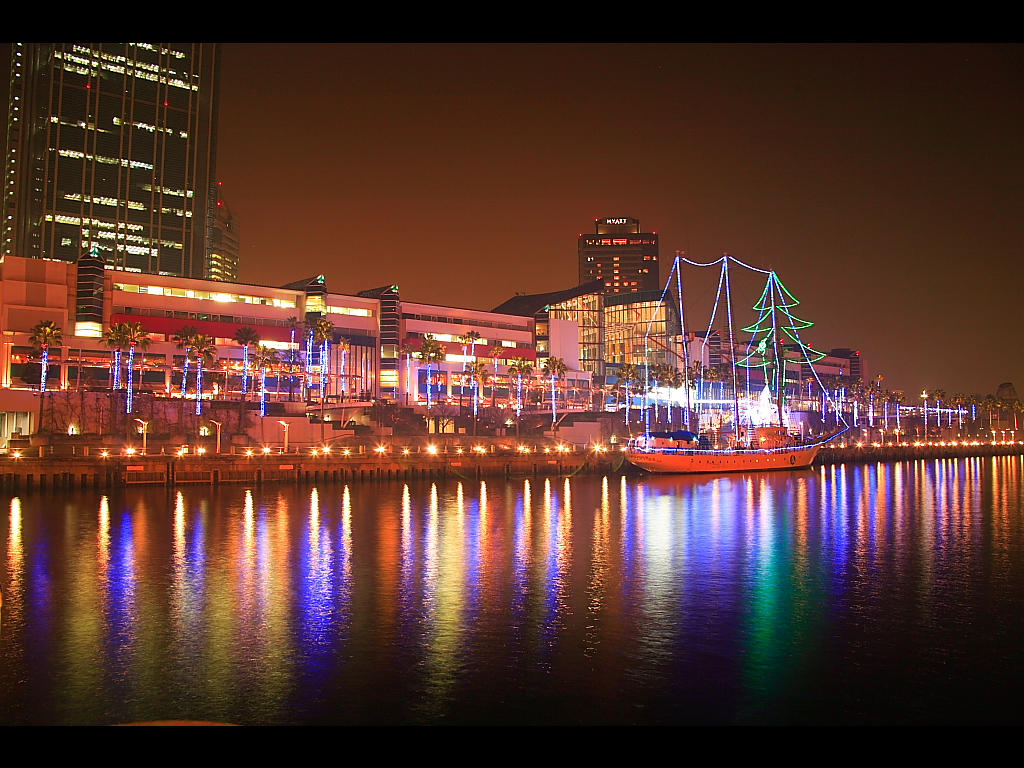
<point x="112" y="148"/>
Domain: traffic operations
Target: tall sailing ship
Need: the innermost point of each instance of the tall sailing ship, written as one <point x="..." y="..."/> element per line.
<point x="755" y="435"/>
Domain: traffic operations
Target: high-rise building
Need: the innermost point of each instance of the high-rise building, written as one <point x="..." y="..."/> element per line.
<point x="222" y="263"/>
<point x="620" y="255"/>
<point x="112" y="147"/>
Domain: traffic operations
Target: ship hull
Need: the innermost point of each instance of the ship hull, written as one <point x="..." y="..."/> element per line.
<point x="673" y="461"/>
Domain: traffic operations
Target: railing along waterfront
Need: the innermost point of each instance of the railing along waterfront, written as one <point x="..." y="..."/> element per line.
<point x="357" y="463"/>
<point x="866" y="453"/>
<point x="389" y="462"/>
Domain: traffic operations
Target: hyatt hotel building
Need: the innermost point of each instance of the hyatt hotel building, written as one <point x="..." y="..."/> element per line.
<point x="619" y="254"/>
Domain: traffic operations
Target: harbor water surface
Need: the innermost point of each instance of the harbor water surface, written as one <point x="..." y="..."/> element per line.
<point x="886" y="593"/>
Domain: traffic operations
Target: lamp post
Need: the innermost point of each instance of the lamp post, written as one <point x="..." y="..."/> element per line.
<point x="217" y="424"/>
<point x="285" y="425"/>
<point x="145" y="429"/>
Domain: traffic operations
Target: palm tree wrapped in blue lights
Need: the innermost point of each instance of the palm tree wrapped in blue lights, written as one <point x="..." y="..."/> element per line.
<point x="135" y="336"/>
<point x="431" y="351"/>
<point x="115" y="339"/>
<point x="263" y="358"/>
<point x="520" y="367"/>
<point x="205" y="352"/>
<point x="244" y="337"/>
<point x="185" y="339"/>
<point x="555" y="369"/>
<point x="45" y="334"/>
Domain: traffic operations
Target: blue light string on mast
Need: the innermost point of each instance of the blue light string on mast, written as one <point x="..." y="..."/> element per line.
<point x="647" y="350"/>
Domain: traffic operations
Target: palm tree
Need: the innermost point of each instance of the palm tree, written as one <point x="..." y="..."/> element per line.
<point x="407" y="350"/>
<point x="496" y="351"/>
<point x="245" y="336"/>
<point x="262" y="359"/>
<point x="939" y="395"/>
<point x="477" y="373"/>
<point x="673" y="380"/>
<point x="45" y="334"/>
<point x="660" y="373"/>
<point x="555" y="369"/>
<point x="294" y="324"/>
<point x="520" y="367"/>
<point x="135" y="336"/>
<point x="115" y="339"/>
<point x="205" y="352"/>
<point x="971" y="401"/>
<point x="323" y="332"/>
<point x="185" y="339"/>
<point x="629" y="375"/>
<point x="344" y="345"/>
<point x="990" y="403"/>
<point x="897" y="399"/>
<point x="957" y="400"/>
<point x="432" y="352"/>
<point x="471" y="338"/>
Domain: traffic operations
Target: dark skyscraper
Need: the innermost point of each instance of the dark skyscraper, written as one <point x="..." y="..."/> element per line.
<point x="222" y="263"/>
<point x="113" y="146"/>
<point x="620" y="255"/>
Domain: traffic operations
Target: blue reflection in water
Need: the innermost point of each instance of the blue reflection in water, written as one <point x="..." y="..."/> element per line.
<point x="522" y="547"/>
<point x="316" y="592"/>
<point x="122" y="614"/>
<point x="840" y="594"/>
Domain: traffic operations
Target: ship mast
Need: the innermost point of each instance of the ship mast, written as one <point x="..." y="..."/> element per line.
<point x="732" y="351"/>
<point x="682" y="328"/>
<point x="780" y="363"/>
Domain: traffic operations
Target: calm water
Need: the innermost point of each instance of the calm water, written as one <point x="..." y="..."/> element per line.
<point x="856" y="594"/>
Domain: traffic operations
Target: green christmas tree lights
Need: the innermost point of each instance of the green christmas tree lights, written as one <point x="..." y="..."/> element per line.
<point x="776" y="329"/>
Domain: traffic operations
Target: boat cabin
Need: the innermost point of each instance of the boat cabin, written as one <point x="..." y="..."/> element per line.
<point x="772" y="437"/>
<point x="680" y="439"/>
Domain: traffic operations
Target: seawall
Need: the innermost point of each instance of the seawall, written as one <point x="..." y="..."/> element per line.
<point x="69" y="472"/>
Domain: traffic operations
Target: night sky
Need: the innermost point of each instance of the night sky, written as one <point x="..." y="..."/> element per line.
<point x="884" y="183"/>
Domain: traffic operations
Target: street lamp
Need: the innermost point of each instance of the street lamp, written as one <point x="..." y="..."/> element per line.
<point x="285" y="425"/>
<point x="217" y="424"/>
<point x="145" y="429"/>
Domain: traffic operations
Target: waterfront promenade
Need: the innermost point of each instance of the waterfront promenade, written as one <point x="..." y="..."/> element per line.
<point x="371" y="463"/>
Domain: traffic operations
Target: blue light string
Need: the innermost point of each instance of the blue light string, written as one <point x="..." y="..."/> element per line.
<point x="129" y="405"/>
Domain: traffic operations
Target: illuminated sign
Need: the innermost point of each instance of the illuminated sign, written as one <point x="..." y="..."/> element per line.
<point x="616" y="221"/>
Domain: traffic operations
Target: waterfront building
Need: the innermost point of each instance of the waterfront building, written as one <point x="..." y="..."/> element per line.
<point x="371" y="354"/>
<point x="566" y="321"/>
<point x="503" y="337"/>
<point x="112" y="149"/>
<point x="620" y="255"/>
<point x="639" y="329"/>
<point x="857" y="369"/>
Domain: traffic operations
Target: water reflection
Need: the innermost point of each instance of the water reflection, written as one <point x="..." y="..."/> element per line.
<point x="784" y="597"/>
